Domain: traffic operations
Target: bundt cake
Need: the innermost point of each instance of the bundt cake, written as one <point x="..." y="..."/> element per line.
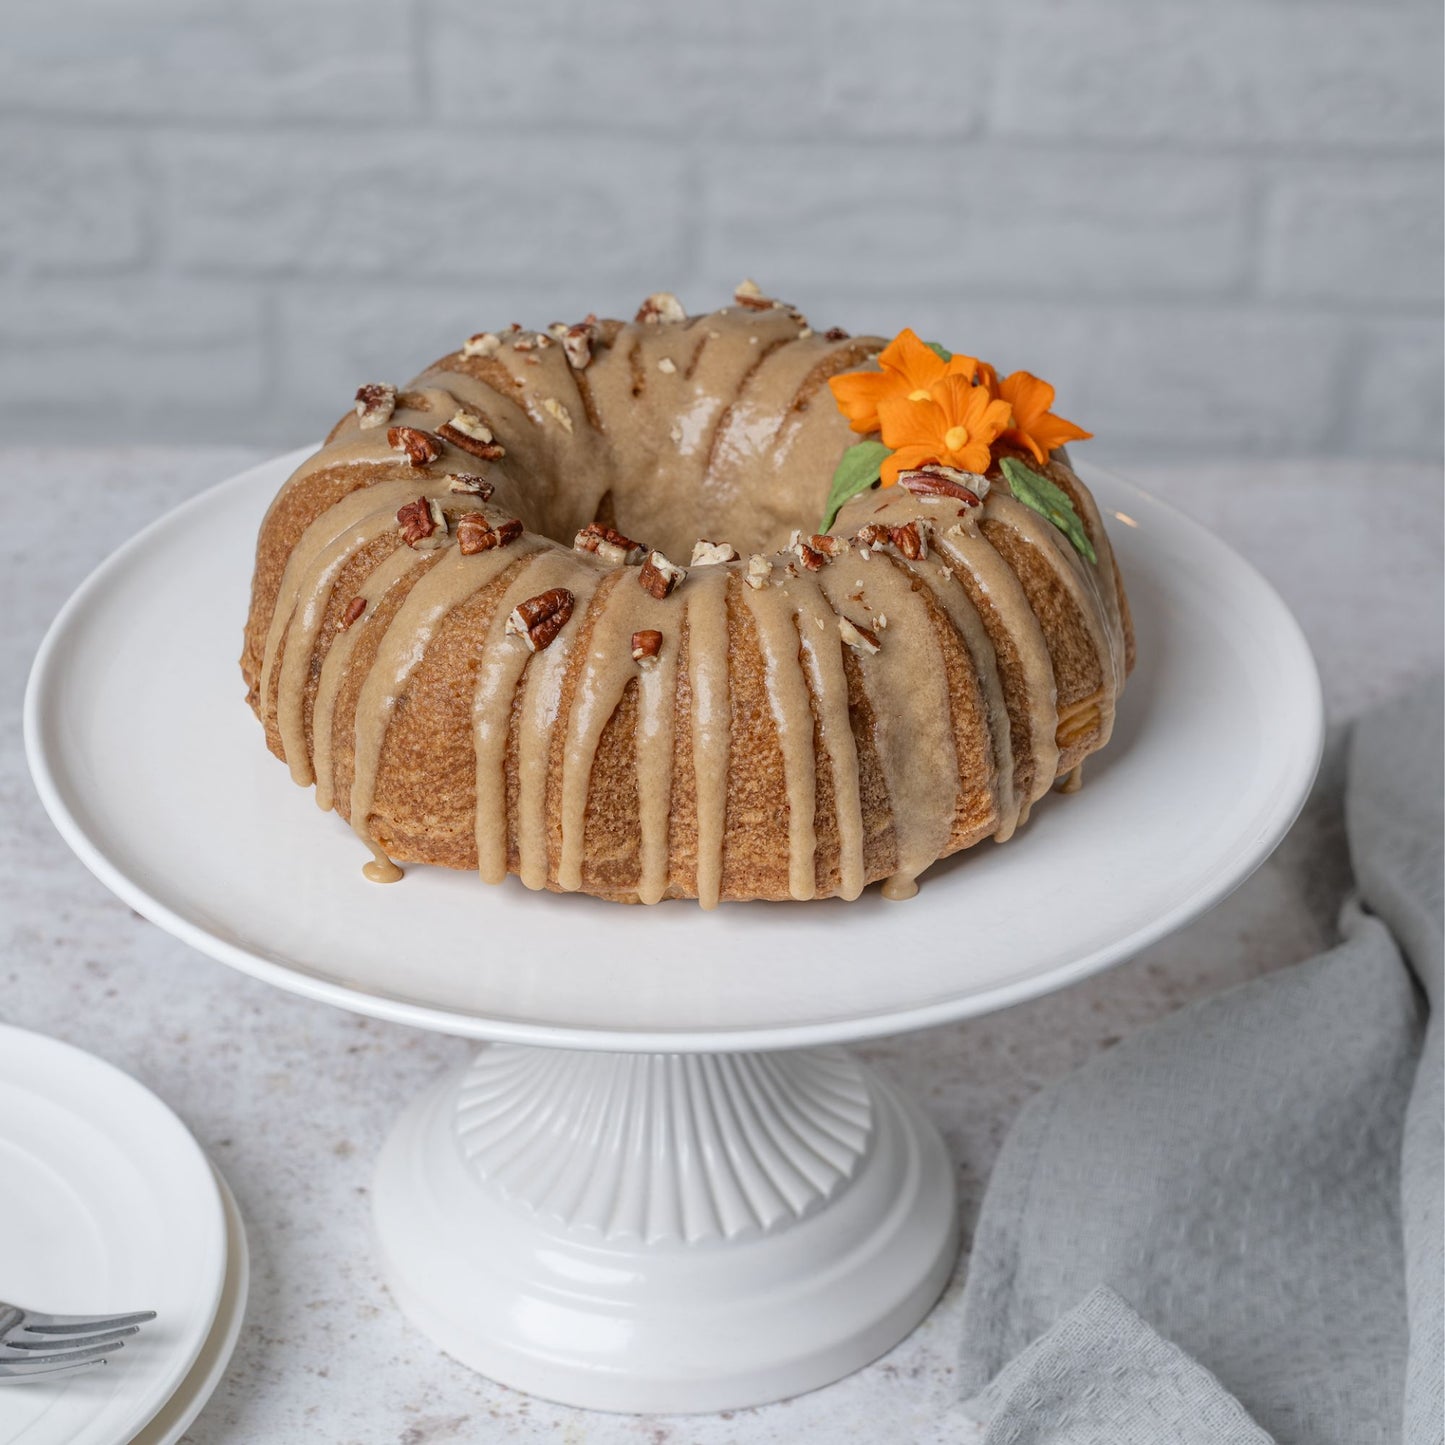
<point x="455" y="638"/>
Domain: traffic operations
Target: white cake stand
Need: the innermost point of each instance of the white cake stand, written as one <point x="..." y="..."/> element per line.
<point x="661" y="1185"/>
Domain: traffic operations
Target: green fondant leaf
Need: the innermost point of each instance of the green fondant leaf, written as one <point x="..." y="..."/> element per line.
<point x="857" y="470"/>
<point x="1050" y="502"/>
<point x="941" y="352"/>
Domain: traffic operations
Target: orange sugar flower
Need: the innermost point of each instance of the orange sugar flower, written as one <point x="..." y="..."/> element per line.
<point x="1033" y="426"/>
<point x="907" y="368"/>
<point x="955" y="426"/>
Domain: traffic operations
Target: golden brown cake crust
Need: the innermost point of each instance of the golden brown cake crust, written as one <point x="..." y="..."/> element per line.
<point x="791" y="724"/>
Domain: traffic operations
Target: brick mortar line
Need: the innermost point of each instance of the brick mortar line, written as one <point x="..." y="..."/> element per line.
<point x="409" y="127"/>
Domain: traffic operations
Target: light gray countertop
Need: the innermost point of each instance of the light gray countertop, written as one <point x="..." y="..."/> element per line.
<point x="292" y="1099"/>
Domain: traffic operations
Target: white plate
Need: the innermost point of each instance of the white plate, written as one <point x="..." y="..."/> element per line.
<point x="178" y="1414"/>
<point x="155" y="772"/>
<point x="106" y="1203"/>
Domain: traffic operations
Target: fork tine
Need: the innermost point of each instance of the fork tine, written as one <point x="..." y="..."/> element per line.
<point x="82" y="1324"/>
<point x="27" y="1369"/>
<point x="68" y="1341"/>
<point x="62" y="1357"/>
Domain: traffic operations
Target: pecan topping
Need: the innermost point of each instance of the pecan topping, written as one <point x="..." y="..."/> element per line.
<point x="710" y="554"/>
<point x="938" y="481"/>
<point x="557" y="412"/>
<point x="809" y="555"/>
<point x="749" y="294"/>
<point x="469" y="432"/>
<point x="526" y="341"/>
<point x="484" y="343"/>
<point x="470" y="484"/>
<point x="835" y="333"/>
<point x="858" y="638"/>
<point x="577" y="342"/>
<point x="912" y="539"/>
<point x="421" y="447"/>
<point x="423" y="523"/>
<point x="759" y="570"/>
<point x="660" y="306"/>
<point x="646" y="645"/>
<point x="827" y="544"/>
<point x="354" y="609"/>
<point x="667" y="366"/>
<point x="475" y="534"/>
<point x="375" y="403"/>
<point x="659" y="576"/>
<point x="539" y="619"/>
<point x="471" y="425"/>
<point x="608" y="545"/>
<point x="873" y="534"/>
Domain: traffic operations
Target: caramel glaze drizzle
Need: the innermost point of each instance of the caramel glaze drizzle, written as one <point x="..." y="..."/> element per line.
<point x="718" y="441"/>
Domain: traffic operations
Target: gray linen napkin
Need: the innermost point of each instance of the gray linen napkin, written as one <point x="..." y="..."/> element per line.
<point x="1259" y="1176"/>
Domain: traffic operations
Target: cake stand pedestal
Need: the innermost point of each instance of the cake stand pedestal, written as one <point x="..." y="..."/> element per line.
<point x="660" y="1185"/>
<point x="665" y="1232"/>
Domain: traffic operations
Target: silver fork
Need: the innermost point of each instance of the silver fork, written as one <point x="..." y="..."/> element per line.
<point x="34" y="1344"/>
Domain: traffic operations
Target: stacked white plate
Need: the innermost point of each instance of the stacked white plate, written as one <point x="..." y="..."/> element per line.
<point x="107" y="1204"/>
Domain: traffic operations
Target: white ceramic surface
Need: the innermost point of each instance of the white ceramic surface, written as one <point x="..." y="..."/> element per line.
<point x="154" y="771"/>
<point x="178" y="1414"/>
<point x="106" y="1203"/>
<point x="675" y="1233"/>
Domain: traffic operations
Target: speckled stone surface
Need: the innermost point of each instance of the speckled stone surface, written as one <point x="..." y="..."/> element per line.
<point x="293" y="1099"/>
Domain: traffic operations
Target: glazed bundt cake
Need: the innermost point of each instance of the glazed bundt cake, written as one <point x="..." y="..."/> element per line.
<point x="455" y="637"/>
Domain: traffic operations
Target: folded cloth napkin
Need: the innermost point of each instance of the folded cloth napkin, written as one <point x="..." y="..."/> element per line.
<point x="1228" y="1228"/>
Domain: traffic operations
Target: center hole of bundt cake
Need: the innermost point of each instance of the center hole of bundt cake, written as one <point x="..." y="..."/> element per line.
<point x="755" y="508"/>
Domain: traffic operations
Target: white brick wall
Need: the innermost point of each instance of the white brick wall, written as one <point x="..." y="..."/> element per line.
<point x="1217" y="227"/>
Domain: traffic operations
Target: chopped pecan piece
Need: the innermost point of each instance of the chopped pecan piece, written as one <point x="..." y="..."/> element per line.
<point x="912" y="539"/>
<point x="354" y="609"/>
<point x="835" y="333"/>
<point x="660" y="306"/>
<point x="659" y="576"/>
<point x="475" y="534"/>
<point x="557" y="412"/>
<point x="423" y="523"/>
<point x="710" y="554"/>
<point x="827" y="544"/>
<point x="375" y="403"/>
<point x="873" y="534"/>
<point x="577" y="342"/>
<point x="860" y="639"/>
<point x="539" y="619"/>
<point x="802" y="547"/>
<point x="420" y="447"/>
<point x="470" y="484"/>
<point x="938" y="481"/>
<point x="759" y="570"/>
<point x="471" y="425"/>
<point x="469" y="432"/>
<point x="484" y="343"/>
<point x="646" y="645"/>
<point x="750" y="295"/>
<point x="608" y="545"/>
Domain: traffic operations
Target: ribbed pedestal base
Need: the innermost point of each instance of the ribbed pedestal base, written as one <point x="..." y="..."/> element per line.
<point x="664" y="1232"/>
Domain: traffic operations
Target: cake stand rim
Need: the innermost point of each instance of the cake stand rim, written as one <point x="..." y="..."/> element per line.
<point x="1289" y="794"/>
